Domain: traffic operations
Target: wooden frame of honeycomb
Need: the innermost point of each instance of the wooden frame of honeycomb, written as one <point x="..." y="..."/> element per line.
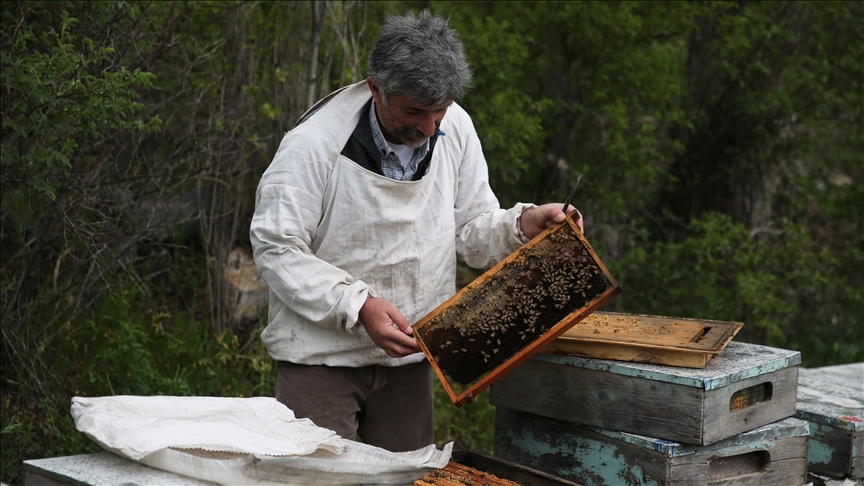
<point x="514" y="309"/>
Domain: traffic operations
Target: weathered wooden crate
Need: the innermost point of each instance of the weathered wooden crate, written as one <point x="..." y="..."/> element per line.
<point x="831" y="400"/>
<point x="744" y="387"/>
<point x="774" y="454"/>
<point x="674" y="341"/>
<point x="513" y="310"/>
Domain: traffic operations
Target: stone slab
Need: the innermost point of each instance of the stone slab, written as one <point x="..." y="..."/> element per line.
<point x="100" y="469"/>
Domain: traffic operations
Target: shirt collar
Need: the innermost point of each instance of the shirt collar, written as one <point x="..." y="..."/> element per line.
<point x="381" y="142"/>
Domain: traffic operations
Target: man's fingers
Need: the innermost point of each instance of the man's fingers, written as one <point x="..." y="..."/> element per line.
<point x="402" y="345"/>
<point x="402" y="325"/>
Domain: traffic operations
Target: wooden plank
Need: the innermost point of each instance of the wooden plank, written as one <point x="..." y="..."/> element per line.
<point x="432" y="332"/>
<point x="603" y="399"/>
<point x="790" y="427"/>
<point x="738" y="361"/>
<point x="574" y="453"/>
<point x="789" y="472"/>
<point x="722" y="419"/>
<point x="670" y="332"/>
<point x="777" y="449"/>
<point x="792" y="473"/>
<point x="774" y="454"/>
<point x="646" y="339"/>
<point x="857" y="470"/>
<point x="831" y="399"/>
<point x="830" y="451"/>
<point x="673" y="403"/>
<point x="637" y="354"/>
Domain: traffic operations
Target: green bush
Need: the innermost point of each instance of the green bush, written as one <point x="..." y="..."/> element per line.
<point x="126" y="347"/>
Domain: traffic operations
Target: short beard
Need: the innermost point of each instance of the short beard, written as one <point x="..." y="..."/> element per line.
<point x="411" y="137"/>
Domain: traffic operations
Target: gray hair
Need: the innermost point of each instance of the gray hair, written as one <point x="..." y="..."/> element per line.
<point x="421" y="57"/>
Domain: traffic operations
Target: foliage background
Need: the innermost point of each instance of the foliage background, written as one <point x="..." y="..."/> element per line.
<point x="721" y="145"/>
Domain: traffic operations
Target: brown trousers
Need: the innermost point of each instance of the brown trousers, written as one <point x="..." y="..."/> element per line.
<point x="388" y="407"/>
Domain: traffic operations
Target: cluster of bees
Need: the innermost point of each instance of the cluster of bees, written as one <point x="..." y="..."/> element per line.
<point x="528" y="295"/>
<point x="455" y="474"/>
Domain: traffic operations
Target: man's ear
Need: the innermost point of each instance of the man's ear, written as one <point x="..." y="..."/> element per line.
<point x="376" y="91"/>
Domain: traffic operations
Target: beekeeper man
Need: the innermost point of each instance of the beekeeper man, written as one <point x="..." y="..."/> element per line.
<point x="359" y="221"/>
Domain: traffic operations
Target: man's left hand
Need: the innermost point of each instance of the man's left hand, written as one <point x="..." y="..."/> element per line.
<point x="536" y="219"/>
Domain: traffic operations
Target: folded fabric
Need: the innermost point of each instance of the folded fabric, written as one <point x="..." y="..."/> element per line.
<point x="242" y="441"/>
<point x="134" y="426"/>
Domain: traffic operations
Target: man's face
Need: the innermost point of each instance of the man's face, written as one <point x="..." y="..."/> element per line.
<point x="405" y="121"/>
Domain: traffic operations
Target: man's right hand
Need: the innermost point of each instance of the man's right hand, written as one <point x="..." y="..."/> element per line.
<point x="378" y="317"/>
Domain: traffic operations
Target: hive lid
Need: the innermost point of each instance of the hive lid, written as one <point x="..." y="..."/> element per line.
<point x="737" y="362"/>
<point x="832" y="395"/>
<point x="674" y="341"/>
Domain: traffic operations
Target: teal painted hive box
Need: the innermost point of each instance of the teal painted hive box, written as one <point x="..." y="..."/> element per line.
<point x="744" y="387"/>
<point x="774" y="454"/>
<point x="831" y="399"/>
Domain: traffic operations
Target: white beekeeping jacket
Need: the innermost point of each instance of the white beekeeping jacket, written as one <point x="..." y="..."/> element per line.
<point x="328" y="233"/>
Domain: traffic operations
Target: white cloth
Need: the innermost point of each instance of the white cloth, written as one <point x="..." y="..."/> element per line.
<point x="328" y="233"/>
<point x="134" y="426"/>
<point x="404" y="152"/>
<point x="269" y="445"/>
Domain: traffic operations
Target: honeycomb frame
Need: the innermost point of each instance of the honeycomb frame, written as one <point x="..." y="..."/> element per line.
<point x="514" y="309"/>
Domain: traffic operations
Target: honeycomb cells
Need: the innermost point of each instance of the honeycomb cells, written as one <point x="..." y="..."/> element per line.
<point x="513" y="307"/>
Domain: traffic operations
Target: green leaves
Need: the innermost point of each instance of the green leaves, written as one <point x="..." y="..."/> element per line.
<point x="60" y="99"/>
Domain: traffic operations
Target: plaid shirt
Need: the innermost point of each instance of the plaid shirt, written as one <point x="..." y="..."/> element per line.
<point x="390" y="163"/>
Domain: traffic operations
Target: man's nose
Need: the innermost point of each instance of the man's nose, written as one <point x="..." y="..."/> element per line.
<point x="429" y="125"/>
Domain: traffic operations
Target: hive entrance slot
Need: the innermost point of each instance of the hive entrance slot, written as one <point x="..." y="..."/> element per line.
<point x="701" y="334"/>
<point x="750" y="396"/>
<point x="728" y="467"/>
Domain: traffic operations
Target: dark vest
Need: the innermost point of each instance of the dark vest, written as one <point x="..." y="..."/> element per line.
<point x="361" y="146"/>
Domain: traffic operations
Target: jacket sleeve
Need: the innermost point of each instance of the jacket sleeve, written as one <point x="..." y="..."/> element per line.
<point x="485" y="233"/>
<point x="288" y="207"/>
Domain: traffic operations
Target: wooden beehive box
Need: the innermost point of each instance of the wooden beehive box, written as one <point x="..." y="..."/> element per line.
<point x="744" y="387"/>
<point x="673" y="341"/>
<point x="513" y="310"/>
<point x="831" y="400"/>
<point x="771" y="455"/>
<point x="474" y="469"/>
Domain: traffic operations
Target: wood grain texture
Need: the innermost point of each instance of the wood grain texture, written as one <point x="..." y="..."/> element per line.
<point x="720" y="422"/>
<point x="603" y="399"/>
<point x="737" y="362"/>
<point x="830" y="451"/>
<point x="580" y="455"/>
<point x="857" y="470"/>
<point x="771" y="455"/>
<point x="624" y="352"/>
<point x="792" y="472"/>
<point x="646" y="339"/>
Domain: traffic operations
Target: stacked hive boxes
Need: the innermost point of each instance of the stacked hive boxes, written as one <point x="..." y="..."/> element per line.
<point x="831" y="400"/>
<point x="599" y="422"/>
